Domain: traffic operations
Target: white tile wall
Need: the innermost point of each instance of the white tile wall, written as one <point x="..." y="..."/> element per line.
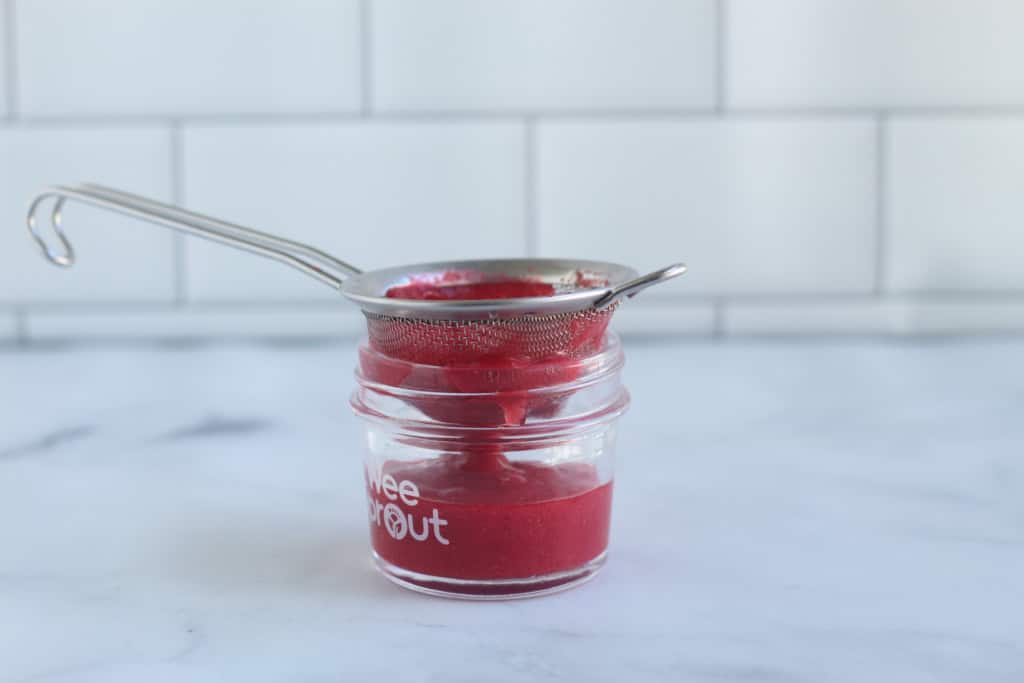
<point x="186" y="57"/>
<point x="825" y="166"/>
<point x="641" y="317"/>
<point x="5" y="66"/>
<point x="872" y="53"/>
<point x="754" y="206"/>
<point x="8" y="327"/>
<point x="828" y="316"/>
<point x="873" y="316"/>
<point x="543" y="54"/>
<point x="373" y="194"/>
<point x="117" y="259"/>
<point x="262" y="322"/>
<point x="955" y="214"/>
<point x="950" y="317"/>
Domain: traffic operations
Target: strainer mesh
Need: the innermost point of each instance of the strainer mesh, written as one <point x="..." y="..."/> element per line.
<point x="522" y="338"/>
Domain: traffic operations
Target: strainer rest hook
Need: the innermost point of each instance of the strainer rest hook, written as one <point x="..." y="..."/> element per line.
<point x="634" y="287"/>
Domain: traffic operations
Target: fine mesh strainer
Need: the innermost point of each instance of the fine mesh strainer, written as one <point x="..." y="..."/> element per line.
<point x="568" y="321"/>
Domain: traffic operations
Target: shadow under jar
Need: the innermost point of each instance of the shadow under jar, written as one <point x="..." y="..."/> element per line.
<point x="485" y="482"/>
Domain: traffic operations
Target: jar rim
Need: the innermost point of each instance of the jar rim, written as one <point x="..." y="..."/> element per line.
<point x="507" y="401"/>
<point x="526" y="435"/>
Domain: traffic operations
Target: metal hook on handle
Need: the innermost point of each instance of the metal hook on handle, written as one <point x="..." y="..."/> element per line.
<point x="302" y="257"/>
<point x="65" y="259"/>
<point x="634" y="287"/>
<point x="251" y="234"/>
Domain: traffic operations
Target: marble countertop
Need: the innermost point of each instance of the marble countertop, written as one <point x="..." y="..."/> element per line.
<point x="784" y="511"/>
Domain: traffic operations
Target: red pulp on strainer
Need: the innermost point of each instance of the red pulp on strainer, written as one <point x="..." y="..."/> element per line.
<point x="462" y="286"/>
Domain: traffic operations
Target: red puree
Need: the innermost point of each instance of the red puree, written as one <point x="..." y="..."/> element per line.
<point x="482" y="517"/>
<point x="453" y="286"/>
<point x="473" y="514"/>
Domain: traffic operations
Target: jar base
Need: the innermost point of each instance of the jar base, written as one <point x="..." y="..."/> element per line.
<point x="494" y="589"/>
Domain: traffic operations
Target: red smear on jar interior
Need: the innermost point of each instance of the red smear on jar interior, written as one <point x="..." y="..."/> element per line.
<point x="492" y="391"/>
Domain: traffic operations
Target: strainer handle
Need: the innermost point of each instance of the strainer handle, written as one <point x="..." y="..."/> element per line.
<point x="634" y="287"/>
<point x="303" y="257"/>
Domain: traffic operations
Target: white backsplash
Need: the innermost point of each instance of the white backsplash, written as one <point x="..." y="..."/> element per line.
<point x="842" y="166"/>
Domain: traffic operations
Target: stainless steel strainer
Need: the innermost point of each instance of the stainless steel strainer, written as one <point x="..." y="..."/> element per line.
<point x="570" y="321"/>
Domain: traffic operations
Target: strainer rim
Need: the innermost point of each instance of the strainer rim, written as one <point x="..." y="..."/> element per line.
<point x="367" y="289"/>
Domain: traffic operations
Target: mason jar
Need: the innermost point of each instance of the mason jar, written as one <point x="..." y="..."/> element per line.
<point x="493" y="480"/>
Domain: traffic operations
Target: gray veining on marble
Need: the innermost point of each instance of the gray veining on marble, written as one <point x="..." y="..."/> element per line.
<point x="218" y="426"/>
<point x="784" y="512"/>
<point x="48" y="441"/>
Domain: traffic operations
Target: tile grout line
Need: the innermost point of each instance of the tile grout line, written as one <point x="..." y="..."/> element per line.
<point x="1010" y="297"/>
<point x="177" y="197"/>
<point x="10" y="60"/>
<point x="718" y="318"/>
<point x="512" y="115"/>
<point x="530" y="187"/>
<point x="27" y="310"/>
<point x="720" y="34"/>
<point x="21" y="331"/>
<point x="365" y="58"/>
<point x="881" y="201"/>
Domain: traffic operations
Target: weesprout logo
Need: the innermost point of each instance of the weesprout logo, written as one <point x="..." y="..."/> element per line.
<point x="397" y="522"/>
<point x="394" y="521"/>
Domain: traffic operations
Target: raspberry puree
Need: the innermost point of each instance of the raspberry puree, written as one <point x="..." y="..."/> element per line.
<point x="502" y="520"/>
<point x="464" y="286"/>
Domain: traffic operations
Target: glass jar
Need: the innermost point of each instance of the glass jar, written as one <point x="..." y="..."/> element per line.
<point x="491" y="481"/>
